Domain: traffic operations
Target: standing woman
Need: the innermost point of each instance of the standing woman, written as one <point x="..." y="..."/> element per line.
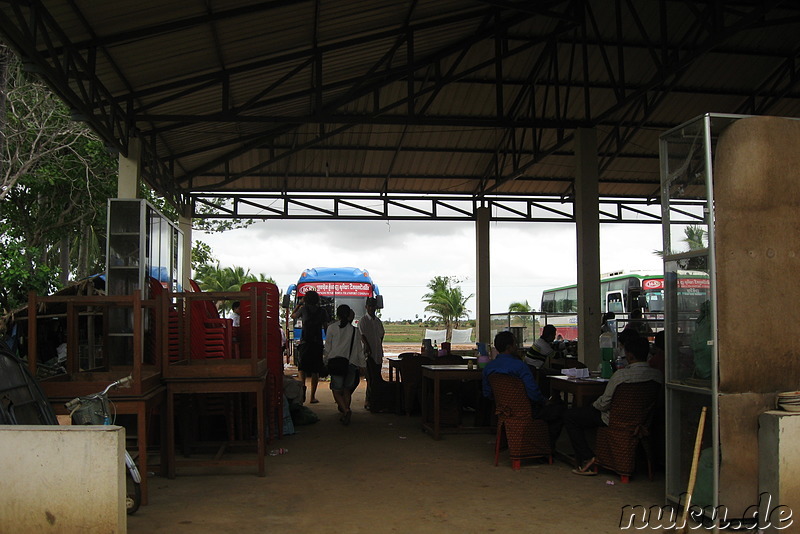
<point x="345" y="358"/>
<point x="315" y="319"/>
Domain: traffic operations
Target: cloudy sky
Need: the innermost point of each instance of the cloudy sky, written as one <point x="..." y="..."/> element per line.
<point x="403" y="256"/>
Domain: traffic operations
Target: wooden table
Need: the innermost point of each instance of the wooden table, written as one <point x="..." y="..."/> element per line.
<point x="432" y="376"/>
<point x="225" y="384"/>
<point x="584" y="391"/>
<point x="394" y="366"/>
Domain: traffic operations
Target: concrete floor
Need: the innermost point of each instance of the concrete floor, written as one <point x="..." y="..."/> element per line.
<point x="383" y="474"/>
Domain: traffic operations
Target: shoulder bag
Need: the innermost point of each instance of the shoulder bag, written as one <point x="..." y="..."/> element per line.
<point x="339" y="365"/>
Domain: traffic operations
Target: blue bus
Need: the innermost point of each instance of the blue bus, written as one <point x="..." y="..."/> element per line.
<point x="336" y="286"/>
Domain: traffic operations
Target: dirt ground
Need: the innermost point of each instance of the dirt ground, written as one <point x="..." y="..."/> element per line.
<point x="382" y="474"/>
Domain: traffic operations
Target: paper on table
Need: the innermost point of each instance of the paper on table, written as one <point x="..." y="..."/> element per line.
<point x="576" y="373"/>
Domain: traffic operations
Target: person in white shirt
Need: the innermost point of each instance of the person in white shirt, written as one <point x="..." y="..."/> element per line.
<point x="372" y="333"/>
<point x="235" y="313"/>
<point x="342" y="342"/>
<point x="577" y="420"/>
<point x="542" y="348"/>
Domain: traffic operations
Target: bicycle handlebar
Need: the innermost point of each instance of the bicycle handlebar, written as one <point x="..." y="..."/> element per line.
<point x="124" y="382"/>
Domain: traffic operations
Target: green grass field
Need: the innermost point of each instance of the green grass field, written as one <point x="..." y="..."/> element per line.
<point x="403" y="333"/>
<point x="408" y="333"/>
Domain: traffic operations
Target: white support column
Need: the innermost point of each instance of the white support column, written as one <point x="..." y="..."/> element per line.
<point x="185" y="225"/>
<point x="482" y="283"/>
<point x="130" y="170"/>
<point x="587" y="217"/>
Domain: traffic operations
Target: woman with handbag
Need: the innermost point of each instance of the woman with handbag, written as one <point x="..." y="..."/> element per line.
<point x="344" y="358"/>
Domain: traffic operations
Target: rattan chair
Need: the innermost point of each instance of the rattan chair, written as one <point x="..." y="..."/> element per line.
<point x="526" y="437"/>
<point x="632" y="409"/>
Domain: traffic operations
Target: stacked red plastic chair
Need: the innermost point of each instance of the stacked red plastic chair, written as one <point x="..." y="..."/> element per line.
<point x="157" y="291"/>
<point x="268" y="344"/>
<point x="211" y="335"/>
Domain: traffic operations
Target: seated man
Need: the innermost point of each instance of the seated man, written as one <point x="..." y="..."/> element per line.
<point x="577" y="420"/>
<point x="508" y="363"/>
<point x="537" y="356"/>
<point x="542" y="348"/>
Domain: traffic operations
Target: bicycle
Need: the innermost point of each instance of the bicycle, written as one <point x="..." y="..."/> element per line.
<point x="94" y="410"/>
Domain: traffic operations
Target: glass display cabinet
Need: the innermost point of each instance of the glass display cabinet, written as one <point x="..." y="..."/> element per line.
<point x="142" y="243"/>
<point x="722" y="281"/>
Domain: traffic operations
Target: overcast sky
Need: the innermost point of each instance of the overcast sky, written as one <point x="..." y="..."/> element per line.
<point x="403" y="256"/>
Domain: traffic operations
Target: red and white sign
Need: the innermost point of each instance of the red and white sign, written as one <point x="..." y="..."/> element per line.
<point x="694" y="283"/>
<point x="341" y="289"/>
<point x="653" y="283"/>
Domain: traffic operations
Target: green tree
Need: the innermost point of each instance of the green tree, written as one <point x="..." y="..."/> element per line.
<point x="201" y="255"/>
<point x="521" y="307"/>
<point x="446" y="302"/>
<point x="55" y="177"/>
<point x="695" y="237"/>
<point x="226" y="279"/>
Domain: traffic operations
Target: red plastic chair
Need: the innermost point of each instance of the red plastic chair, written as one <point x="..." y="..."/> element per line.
<point x="157" y="291"/>
<point x="268" y="343"/>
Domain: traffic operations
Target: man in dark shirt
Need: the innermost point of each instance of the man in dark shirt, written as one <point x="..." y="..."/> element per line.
<point x="508" y="363"/>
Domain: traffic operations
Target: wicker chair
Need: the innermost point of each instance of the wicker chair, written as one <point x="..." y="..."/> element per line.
<point x="632" y="409"/>
<point x="526" y="437"/>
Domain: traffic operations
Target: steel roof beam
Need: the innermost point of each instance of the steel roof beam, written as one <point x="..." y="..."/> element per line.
<point x="672" y="62"/>
<point x="424" y="207"/>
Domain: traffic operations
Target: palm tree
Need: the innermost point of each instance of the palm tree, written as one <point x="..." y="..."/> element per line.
<point x="216" y="278"/>
<point x="446" y="302"/>
<point x="521" y="307"/>
<point x="694" y="236"/>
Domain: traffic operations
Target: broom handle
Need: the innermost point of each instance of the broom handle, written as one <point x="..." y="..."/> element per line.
<point x="693" y="472"/>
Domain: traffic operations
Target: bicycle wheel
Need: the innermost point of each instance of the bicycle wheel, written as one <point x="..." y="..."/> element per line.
<point x="133" y="494"/>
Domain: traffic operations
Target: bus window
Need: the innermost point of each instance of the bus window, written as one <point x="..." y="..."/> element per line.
<point x="614" y="302"/>
<point x="655" y="301"/>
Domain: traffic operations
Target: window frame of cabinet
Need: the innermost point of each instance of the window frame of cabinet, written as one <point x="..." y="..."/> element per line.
<point x="141" y="242"/>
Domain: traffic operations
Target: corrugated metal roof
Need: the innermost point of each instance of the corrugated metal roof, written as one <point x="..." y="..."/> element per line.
<point x="434" y="96"/>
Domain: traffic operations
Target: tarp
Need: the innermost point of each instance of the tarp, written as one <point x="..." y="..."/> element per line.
<point x="436" y="336"/>
<point x="461" y="337"/>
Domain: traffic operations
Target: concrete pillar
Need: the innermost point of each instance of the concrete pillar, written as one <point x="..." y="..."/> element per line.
<point x="185" y="225"/>
<point x="587" y="217"/>
<point x="482" y="283"/>
<point x="130" y="170"/>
